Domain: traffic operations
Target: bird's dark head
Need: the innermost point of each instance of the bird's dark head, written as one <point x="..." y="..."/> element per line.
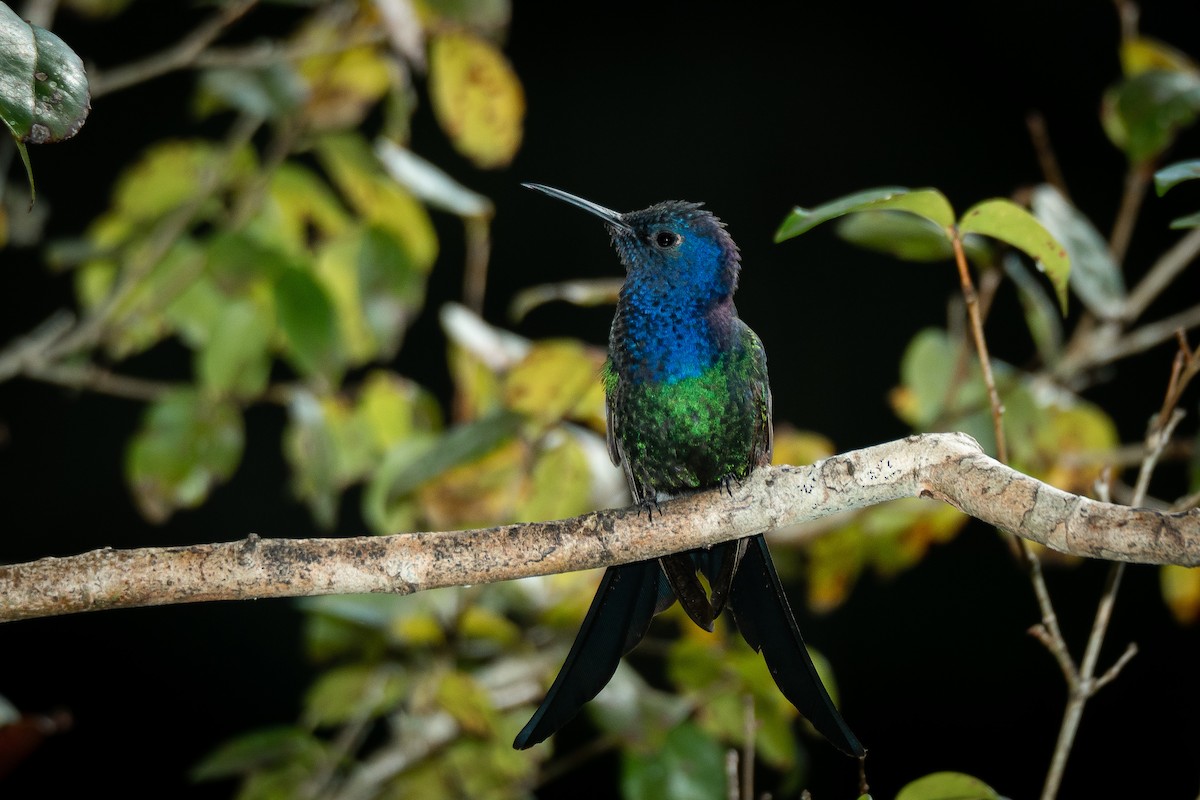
<point x="675" y="246"/>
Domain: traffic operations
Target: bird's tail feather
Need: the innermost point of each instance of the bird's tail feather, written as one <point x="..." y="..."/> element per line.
<point x="628" y="598"/>
<point x="765" y="620"/>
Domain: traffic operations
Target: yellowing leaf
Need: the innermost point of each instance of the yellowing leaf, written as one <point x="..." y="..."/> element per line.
<point x="477" y="388"/>
<point x="799" y="448"/>
<point x="467" y="702"/>
<point x="299" y="207"/>
<point x="482" y="492"/>
<point x="477" y="98"/>
<point x="377" y="198"/>
<point x="169" y="174"/>
<point x="834" y="564"/>
<point x="385" y="405"/>
<point x="560" y="482"/>
<point x="552" y="379"/>
<point x="1143" y="54"/>
<point x="1181" y="591"/>
<point x="344" y="85"/>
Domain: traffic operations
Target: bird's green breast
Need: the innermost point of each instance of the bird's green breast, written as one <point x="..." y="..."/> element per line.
<point x="690" y="433"/>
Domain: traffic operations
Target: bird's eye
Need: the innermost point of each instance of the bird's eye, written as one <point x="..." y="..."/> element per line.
<point x="666" y="239"/>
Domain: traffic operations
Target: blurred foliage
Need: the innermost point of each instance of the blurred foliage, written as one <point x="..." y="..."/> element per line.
<point x="290" y="260"/>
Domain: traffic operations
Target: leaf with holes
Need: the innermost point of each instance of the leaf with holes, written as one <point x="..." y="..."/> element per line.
<point x="1005" y="220"/>
<point x="43" y="87"/>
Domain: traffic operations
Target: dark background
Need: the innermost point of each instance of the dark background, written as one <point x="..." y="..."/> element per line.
<point x="751" y="109"/>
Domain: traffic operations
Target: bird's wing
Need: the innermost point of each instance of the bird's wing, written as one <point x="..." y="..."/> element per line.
<point x="763" y="441"/>
<point x="765" y="620"/>
<point x="628" y="598"/>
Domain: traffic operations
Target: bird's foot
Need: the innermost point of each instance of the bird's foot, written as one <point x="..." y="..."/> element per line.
<point x="650" y="506"/>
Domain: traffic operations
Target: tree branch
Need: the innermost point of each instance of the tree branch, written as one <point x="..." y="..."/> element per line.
<point x="948" y="467"/>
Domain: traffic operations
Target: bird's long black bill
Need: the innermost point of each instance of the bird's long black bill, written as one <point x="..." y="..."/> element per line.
<point x="613" y="218"/>
<point x="628" y="598"/>
<point x="765" y="620"/>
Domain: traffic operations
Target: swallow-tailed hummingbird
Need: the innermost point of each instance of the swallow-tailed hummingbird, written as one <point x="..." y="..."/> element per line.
<point x="688" y="407"/>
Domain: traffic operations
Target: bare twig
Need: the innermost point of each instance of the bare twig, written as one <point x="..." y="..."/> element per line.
<point x="1161" y="274"/>
<point x="947" y="467"/>
<point x="95" y="379"/>
<point x="1137" y="181"/>
<point x="1044" y="150"/>
<point x="180" y="55"/>
<point x="985" y="363"/>
<point x="477" y="231"/>
<point x="269" y="53"/>
<point x="1082" y="684"/>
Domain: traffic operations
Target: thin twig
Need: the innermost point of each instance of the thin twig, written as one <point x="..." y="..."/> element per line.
<point x="1044" y="149"/>
<point x="1137" y="181"/>
<point x="1156" y="333"/>
<point x="266" y="54"/>
<point x="985" y="363"/>
<point x="477" y="231"/>
<point x="1083" y="684"/>
<point x="178" y="56"/>
<point x="1161" y="274"/>
<point x="101" y="381"/>
<point x="29" y="348"/>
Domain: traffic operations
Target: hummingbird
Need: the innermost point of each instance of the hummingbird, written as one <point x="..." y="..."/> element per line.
<point x="688" y="407"/>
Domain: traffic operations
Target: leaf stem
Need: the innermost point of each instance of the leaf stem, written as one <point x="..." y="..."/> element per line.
<point x="985" y="363"/>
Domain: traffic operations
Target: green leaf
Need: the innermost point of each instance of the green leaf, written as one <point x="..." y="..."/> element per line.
<point x="140" y="318"/>
<point x="1190" y="221"/>
<point x="1171" y="176"/>
<point x="236" y="262"/>
<point x="307" y="319"/>
<point x="1094" y="275"/>
<point x="460" y="445"/>
<point x="315" y="444"/>
<point x="355" y="692"/>
<point x="1004" y="220"/>
<point x="928" y="203"/>
<point x="271" y="92"/>
<point x="947" y="786"/>
<point x="376" y="288"/>
<point x="690" y="764"/>
<point x="43" y="86"/>
<point x="256" y="750"/>
<point x="186" y="445"/>
<point x="1144" y="114"/>
<point x="1042" y="316"/>
<point x="235" y="361"/>
<point x="902" y="235"/>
